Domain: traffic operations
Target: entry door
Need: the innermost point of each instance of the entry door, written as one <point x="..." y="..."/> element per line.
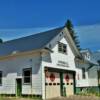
<point x="68" y="84"/>
<point x="18" y="87"/>
<point x="99" y="77"/>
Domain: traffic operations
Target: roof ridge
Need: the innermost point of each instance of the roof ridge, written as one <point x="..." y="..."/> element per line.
<point x="28" y="43"/>
<point x="38" y="33"/>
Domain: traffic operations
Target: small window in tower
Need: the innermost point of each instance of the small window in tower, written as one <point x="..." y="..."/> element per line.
<point x="62" y="48"/>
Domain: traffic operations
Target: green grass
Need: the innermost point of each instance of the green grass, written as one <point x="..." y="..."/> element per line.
<point x="18" y="98"/>
<point x="89" y="94"/>
<point x="6" y="98"/>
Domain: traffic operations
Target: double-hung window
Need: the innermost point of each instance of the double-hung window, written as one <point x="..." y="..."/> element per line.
<point x="27" y="76"/>
<point x="62" y="48"/>
<point x="83" y="73"/>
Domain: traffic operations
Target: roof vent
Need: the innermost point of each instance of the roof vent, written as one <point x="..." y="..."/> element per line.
<point x="50" y="46"/>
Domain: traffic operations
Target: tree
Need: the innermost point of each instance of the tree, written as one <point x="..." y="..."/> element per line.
<point x="1" y="41"/>
<point x="98" y="62"/>
<point x="74" y="36"/>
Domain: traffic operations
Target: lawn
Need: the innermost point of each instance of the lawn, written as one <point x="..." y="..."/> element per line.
<point x="79" y="97"/>
<point x="17" y="98"/>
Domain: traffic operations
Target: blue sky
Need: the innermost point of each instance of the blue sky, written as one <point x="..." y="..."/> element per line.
<point x="89" y="36"/>
<point x="44" y="13"/>
<point x="24" y="17"/>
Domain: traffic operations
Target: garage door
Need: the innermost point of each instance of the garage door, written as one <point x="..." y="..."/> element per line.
<point x="52" y="84"/>
<point x="68" y="84"/>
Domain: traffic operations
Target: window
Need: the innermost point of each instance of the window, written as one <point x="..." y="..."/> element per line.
<point x="27" y="75"/>
<point x="50" y="84"/>
<point x="62" y="47"/>
<point x="98" y="62"/>
<point x="0" y="77"/>
<point x="83" y="73"/>
<point x="87" y="56"/>
<point x="58" y="83"/>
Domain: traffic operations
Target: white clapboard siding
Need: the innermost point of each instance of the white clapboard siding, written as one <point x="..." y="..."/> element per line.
<point x="13" y="68"/>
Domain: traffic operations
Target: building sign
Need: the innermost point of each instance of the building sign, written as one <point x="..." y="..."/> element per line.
<point x="63" y="63"/>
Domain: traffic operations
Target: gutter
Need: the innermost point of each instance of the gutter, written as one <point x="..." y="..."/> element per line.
<point x="91" y="64"/>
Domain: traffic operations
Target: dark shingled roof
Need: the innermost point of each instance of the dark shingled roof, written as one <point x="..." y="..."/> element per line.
<point x="96" y="55"/>
<point x="32" y="42"/>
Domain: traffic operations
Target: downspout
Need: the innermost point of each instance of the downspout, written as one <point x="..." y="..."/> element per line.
<point x="41" y="72"/>
<point x="74" y="74"/>
<point x="98" y="81"/>
<point x="98" y="76"/>
<point x="43" y="91"/>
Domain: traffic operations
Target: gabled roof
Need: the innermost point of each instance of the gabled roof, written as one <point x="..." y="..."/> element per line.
<point x="86" y="51"/>
<point x="32" y="42"/>
<point x="36" y="42"/>
<point x="96" y="55"/>
<point x="91" y="60"/>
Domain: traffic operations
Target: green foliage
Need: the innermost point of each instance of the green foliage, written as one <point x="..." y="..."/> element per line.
<point x="89" y="92"/>
<point x="74" y="36"/>
<point x="1" y="41"/>
<point x="69" y="26"/>
<point x="13" y="97"/>
<point x="98" y="62"/>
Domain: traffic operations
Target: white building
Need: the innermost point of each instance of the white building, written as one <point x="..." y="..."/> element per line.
<point x="89" y="76"/>
<point x="47" y="64"/>
<point x="41" y="64"/>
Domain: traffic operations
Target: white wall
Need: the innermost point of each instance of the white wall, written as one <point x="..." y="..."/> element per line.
<point x="93" y="77"/>
<point x="12" y="68"/>
<point x="80" y="82"/>
<point x="51" y="59"/>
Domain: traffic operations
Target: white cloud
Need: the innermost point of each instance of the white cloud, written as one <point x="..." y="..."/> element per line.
<point x="9" y="34"/>
<point x="89" y="36"/>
